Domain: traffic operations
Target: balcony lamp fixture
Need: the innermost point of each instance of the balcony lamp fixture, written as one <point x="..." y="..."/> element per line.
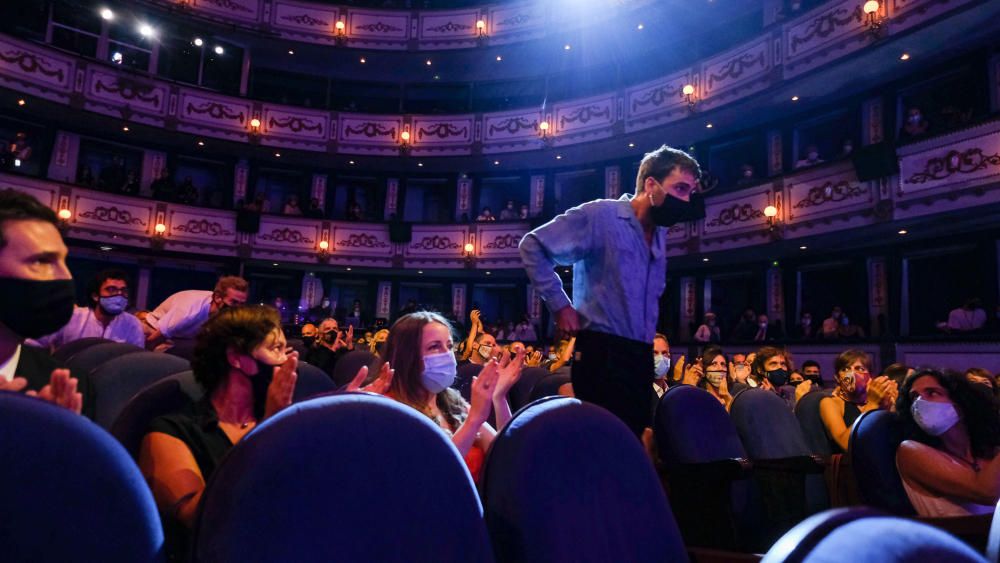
<point x="324" y="251"/>
<point x="64" y="216"/>
<point x="158" y="240"/>
<point x="543" y="133"/>
<point x="107" y="14"/>
<point x="773" y="223"/>
<point x="481" y="36"/>
<point x="340" y="33"/>
<point x="873" y="20"/>
<point x="254" y="127"/>
<point x="689" y="97"/>
<point x="404" y="142"/>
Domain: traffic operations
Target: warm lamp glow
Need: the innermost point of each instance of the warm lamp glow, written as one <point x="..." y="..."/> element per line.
<point x="688" y="89"/>
<point x="871" y="6"/>
<point x="481" y="25"/>
<point x="255" y="123"/>
<point x="65" y="214"/>
<point x="468" y="247"/>
<point x="339" y="25"/>
<point x="770" y="211"/>
<point x="543" y="126"/>
<point x="405" y="136"/>
<point x="160" y="228"/>
<point x="324" y="245"/>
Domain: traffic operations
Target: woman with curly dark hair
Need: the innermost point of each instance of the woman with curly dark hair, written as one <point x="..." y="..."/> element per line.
<point x="949" y="464"/>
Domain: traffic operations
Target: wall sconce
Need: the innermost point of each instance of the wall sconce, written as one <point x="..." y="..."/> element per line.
<point x="543" y="133"/>
<point x="470" y="253"/>
<point x="340" y="33"/>
<point x="688" y="92"/>
<point x="404" y="142"/>
<point x="254" y="129"/>
<point x="773" y="223"/>
<point x="159" y="233"/>
<point x="324" y="251"/>
<point x="873" y="19"/>
<point x="481" y="31"/>
<point x="64" y="215"/>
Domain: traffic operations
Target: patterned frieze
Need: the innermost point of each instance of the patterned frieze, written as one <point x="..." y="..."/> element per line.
<point x="201" y="225"/>
<point x="736" y="73"/>
<point x="197" y="110"/>
<point x="366" y="240"/>
<point x="500" y="240"/>
<point x="378" y="29"/>
<point x="287" y="234"/>
<point x="112" y="213"/>
<point x="825" y="192"/>
<point x="437" y="241"/>
<point x="830" y="31"/>
<point x="737" y="213"/>
<point x="118" y="90"/>
<point x="296" y="18"/>
<point x="366" y="134"/>
<point x="441" y="136"/>
<point x="36" y="69"/>
<point x="951" y="162"/>
<point x="452" y="29"/>
<point x="589" y="118"/>
<point x="658" y="101"/>
<point x="235" y="10"/>
<point x="511" y="131"/>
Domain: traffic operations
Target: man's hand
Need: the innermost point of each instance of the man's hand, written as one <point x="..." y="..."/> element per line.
<point x="61" y="391"/>
<point x="693" y="374"/>
<point x="474" y="317"/>
<point x="802" y="388"/>
<point x="535" y="360"/>
<point x="509" y="374"/>
<point x="568" y="320"/>
<point x="350" y="337"/>
<point x="739" y="372"/>
<point x="282" y="387"/>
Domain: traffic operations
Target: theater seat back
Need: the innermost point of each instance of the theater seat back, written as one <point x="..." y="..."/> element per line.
<point x="549" y="386"/>
<point x="69" y="491"/>
<point x="463" y="379"/>
<point x="116" y="381"/>
<point x="872" y="451"/>
<point x="88" y="359"/>
<point x="347" y="366"/>
<point x="684" y="416"/>
<point x="811" y="423"/>
<point x="345" y="477"/>
<point x="70" y="349"/>
<point x="520" y="392"/>
<point x="311" y="381"/>
<point x="166" y="396"/>
<point x="767" y="428"/>
<point x="568" y="481"/>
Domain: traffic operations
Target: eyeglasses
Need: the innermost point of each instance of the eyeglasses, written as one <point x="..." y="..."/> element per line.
<point x="115" y="291"/>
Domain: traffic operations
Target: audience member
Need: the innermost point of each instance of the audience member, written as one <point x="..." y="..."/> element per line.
<point x="525" y="330"/>
<point x="915" y="126"/>
<point x="970" y="317"/>
<point x="561" y="356"/>
<point x="897" y="373"/>
<point x="804" y="330"/>
<point x="420" y="348"/>
<point x="811" y="371"/>
<point x="182" y="314"/>
<point x="355" y="317"/>
<point x="163" y="187"/>
<point x="85" y="177"/>
<point x="949" y="463"/>
<point x="831" y="325"/>
<point x="484" y="349"/>
<point x="716" y="380"/>
<point x="131" y="185"/>
<point x="377" y="344"/>
<point x="508" y="213"/>
<point x="856" y="393"/>
<point x="661" y="364"/>
<point x="187" y="193"/>
<point x="36" y="298"/>
<point x="523" y="214"/>
<point x="770" y="371"/>
<point x="104" y="317"/>
<point x="983" y="379"/>
<point x="486" y="215"/>
<point x="747" y="177"/>
<point x="330" y="345"/>
<point x="767" y="332"/>
<point x="354" y="212"/>
<point x="747" y="327"/>
<point x="292" y="206"/>
<point x="812" y="158"/>
<point x="315" y="210"/>
<point x="308" y="334"/>
<point x="708" y="331"/>
<point x="319" y="312"/>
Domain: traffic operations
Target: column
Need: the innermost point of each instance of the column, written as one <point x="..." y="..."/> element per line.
<point x="142" y="290"/>
<point x="65" y="156"/>
<point x="383" y="303"/>
<point x="995" y="83"/>
<point x="537" y="195"/>
<point x="241" y="175"/>
<point x="872" y="122"/>
<point x="318" y="190"/>
<point x="878" y="295"/>
<point x="688" y="308"/>
<point x="904" y="299"/>
<point x="391" y="198"/>
<point x="612" y="182"/>
<point x="153" y="165"/>
<point x="312" y="292"/>
<point x="706" y="295"/>
<point x="534" y="308"/>
<point x="463" y="199"/>
<point x="775" y="163"/>
<point x="775" y="297"/>
<point x="458" y="298"/>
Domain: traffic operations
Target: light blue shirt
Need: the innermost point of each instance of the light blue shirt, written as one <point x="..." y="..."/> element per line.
<point x="617" y="277"/>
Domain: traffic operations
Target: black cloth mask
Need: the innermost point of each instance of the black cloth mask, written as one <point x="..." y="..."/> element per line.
<point x="35" y="308"/>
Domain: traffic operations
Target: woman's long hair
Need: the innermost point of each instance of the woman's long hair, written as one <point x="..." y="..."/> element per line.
<point x="978" y="411"/>
<point x="404" y="354"/>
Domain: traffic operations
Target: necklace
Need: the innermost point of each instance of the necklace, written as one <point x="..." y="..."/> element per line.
<point x="974" y="464"/>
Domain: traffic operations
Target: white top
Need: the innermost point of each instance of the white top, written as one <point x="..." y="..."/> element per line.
<point x="182" y="314"/>
<point x="962" y="319"/>
<point x="933" y="506"/>
<point x="84" y="324"/>
<point x="9" y="367"/>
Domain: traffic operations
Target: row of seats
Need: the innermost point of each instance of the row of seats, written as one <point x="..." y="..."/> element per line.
<point x="359" y="477"/>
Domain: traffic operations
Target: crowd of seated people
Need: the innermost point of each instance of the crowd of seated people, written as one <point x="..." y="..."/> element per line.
<point x="511" y="212"/>
<point x="243" y="363"/>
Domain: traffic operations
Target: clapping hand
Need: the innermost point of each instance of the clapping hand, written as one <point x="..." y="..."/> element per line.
<point x="739" y="372"/>
<point x="535" y="360"/>
<point x="483" y="387"/>
<point x="60" y="391"/>
<point x="14" y="385"/>
<point x="693" y="374"/>
<point x="509" y="374"/>
<point x="379" y="386"/>
<point x="282" y="387"/>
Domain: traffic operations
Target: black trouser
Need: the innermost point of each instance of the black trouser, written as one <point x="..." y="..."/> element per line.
<point x="617" y="374"/>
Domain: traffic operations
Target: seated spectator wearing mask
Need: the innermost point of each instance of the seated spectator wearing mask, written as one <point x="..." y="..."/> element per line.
<point x="661" y="364"/>
<point x="484" y="349"/>
<point x="811" y="371"/>
<point x="241" y="361"/>
<point x="708" y="331"/>
<point x="183" y="313"/>
<point x="562" y="356"/>
<point x="716" y="380"/>
<point x="949" y="463"/>
<point x="330" y="346"/>
<point x="36" y="298"/>
<point x="309" y="334"/>
<point x="770" y="371"/>
<point x="897" y="373"/>
<point x="377" y="344"/>
<point x="420" y="350"/>
<point x="105" y="317"/>
<point x="856" y="393"/>
<point x="984" y="379"/>
<point x="804" y="330"/>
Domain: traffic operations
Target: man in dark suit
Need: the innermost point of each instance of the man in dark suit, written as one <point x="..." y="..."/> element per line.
<point x="36" y="298"/>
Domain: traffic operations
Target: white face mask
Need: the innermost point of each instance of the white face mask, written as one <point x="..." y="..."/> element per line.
<point x="715" y="377"/>
<point x="553" y="356"/>
<point x="661" y="365"/>
<point x="485" y="352"/>
<point x="439" y="371"/>
<point x="932" y="417"/>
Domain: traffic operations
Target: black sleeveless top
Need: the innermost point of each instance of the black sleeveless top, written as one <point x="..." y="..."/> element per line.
<point x="198" y="427"/>
<point x="851" y="413"/>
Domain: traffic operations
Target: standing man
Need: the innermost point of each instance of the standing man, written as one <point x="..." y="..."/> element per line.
<point x="183" y="313"/>
<point x="618" y="252"/>
<point x="105" y="317"/>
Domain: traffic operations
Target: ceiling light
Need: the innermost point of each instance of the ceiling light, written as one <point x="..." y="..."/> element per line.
<point x="21" y="102"/>
<point x="420" y="271"/>
<point x="902" y="231"/>
<point x="488" y="273"/>
<point x="640" y="27"/>
<point x="803" y="247"/>
<point x="558" y="157"/>
<point x="107" y="14"/>
<point x="201" y="143"/>
<point x="631" y="145"/>
<point x="428" y="62"/>
<point x="198" y="42"/>
<point x="291" y="52"/>
<point x="274" y="264"/>
<point x="125" y="128"/>
<point x="363" y="60"/>
<point x="348" y="269"/>
<point x="795" y="98"/>
<point x="277" y="155"/>
<point x="904" y="57"/>
<point x="351" y="162"/>
<point x="708" y="125"/>
<point x="106" y="248"/>
<point x="499" y="58"/>
<point x="567" y="47"/>
<point x="437" y="77"/>
<point x="704" y="259"/>
<point x="146" y="30"/>
<point x="496" y="163"/>
<point x="219" y="50"/>
<point x="420" y="164"/>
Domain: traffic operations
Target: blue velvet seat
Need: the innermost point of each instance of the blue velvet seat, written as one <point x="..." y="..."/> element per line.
<point x="463" y="379"/>
<point x="872" y="450"/>
<point x="568" y="481"/>
<point x="345" y="477"/>
<point x="69" y="491"/>
<point x="116" y="381"/>
<point x="70" y="349"/>
<point x="348" y="365"/>
<point x="89" y="358"/>
<point x="520" y="393"/>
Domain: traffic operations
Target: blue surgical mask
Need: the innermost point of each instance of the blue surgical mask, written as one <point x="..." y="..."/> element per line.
<point x="661" y="365"/>
<point x="114" y="305"/>
<point x="439" y="371"/>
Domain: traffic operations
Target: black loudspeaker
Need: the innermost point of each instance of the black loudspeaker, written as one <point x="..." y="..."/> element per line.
<point x="876" y="161"/>
<point x="400" y="232"/>
<point x="247" y="221"/>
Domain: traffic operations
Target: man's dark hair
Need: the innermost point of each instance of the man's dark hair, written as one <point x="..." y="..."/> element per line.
<point x="19" y="206"/>
<point x="104" y="275"/>
<point x="811" y="364"/>
<point x="660" y="163"/>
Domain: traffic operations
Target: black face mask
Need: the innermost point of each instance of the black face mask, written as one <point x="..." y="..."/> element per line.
<point x="33" y="308"/>
<point x="308" y="340"/>
<point x="260" y="382"/>
<point x="670" y="212"/>
<point x="330" y="337"/>
<point x="777" y="377"/>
